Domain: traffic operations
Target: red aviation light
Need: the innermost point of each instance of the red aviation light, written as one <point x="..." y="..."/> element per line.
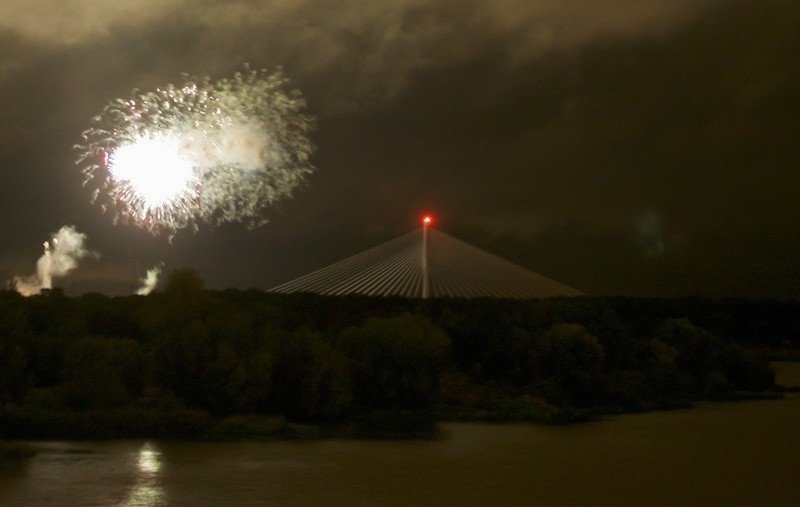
<point x="427" y="220"/>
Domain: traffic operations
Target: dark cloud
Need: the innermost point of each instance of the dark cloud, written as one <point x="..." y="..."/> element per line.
<point x="620" y="146"/>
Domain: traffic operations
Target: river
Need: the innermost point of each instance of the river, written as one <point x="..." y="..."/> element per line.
<point x="742" y="453"/>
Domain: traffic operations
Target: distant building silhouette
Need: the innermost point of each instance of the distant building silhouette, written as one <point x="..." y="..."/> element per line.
<point x="427" y="263"/>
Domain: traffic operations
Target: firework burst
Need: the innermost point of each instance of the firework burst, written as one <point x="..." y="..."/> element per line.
<point x="204" y="151"/>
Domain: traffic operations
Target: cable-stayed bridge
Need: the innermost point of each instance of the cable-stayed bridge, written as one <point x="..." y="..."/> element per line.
<point x="427" y="263"/>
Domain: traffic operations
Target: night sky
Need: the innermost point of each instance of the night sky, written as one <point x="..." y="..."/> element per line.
<point x="622" y="147"/>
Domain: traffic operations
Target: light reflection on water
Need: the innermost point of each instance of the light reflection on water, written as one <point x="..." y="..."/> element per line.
<point x="149" y="460"/>
<point x="148" y="491"/>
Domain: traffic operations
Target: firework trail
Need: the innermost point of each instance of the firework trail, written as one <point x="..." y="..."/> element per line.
<point x="204" y="151"/>
<point x="61" y="255"/>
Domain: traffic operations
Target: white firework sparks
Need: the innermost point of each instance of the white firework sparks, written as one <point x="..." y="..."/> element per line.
<point x="139" y="165"/>
<point x="205" y="151"/>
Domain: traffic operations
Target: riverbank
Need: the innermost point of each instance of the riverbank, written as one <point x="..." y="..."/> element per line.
<point x="13" y="454"/>
<point x="194" y="425"/>
<point x="24" y="423"/>
<point x="714" y="454"/>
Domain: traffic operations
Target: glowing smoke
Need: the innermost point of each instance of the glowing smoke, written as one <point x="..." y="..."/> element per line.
<point x="205" y="151"/>
<point x="150" y="281"/>
<point x="61" y="255"/>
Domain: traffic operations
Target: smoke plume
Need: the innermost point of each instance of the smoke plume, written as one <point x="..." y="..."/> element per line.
<point x="150" y="281"/>
<point x="61" y="255"/>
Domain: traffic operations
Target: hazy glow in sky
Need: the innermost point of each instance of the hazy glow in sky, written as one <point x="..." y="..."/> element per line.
<point x="540" y="131"/>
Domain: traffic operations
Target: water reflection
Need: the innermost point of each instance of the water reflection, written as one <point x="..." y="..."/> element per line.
<point x="148" y="491"/>
<point x="149" y="462"/>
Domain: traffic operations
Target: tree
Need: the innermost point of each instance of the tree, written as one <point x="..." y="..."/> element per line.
<point x="309" y="378"/>
<point x="396" y="361"/>
<point x="571" y="357"/>
<point x="103" y="373"/>
<point x="184" y="284"/>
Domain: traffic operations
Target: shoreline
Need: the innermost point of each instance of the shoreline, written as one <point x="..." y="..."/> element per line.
<point x="196" y="426"/>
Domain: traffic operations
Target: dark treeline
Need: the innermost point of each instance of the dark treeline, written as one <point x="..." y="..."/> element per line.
<point x="194" y="363"/>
